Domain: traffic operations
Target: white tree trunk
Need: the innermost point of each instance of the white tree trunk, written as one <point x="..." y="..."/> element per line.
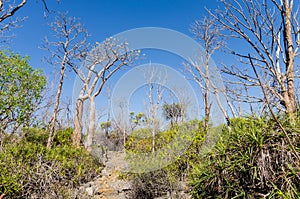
<point x="58" y="94"/>
<point x="78" y="122"/>
<point x="92" y="125"/>
<point x="289" y="95"/>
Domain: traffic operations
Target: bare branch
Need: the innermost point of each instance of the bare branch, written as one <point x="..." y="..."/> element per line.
<point x="267" y="27"/>
<point x="11" y="11"/>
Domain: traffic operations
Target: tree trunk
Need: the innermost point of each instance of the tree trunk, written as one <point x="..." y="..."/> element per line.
<point x="76" y="138"/>
<point x="108" y="112"/>
<point x="92" y="125"/>
<point x="239" y="106"/>
<point x="153" y="132"/>
<point x="124" y="136"/>
<point x="153" y="140"/>
<point x="289" y="95"/>
<point x="222" y="108"/>
<point x="61" y="81"/>
<point x="206" y="97"/>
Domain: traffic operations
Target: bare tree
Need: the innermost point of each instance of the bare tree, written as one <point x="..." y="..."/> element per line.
<point x="156" y="79"/>
<point x="209" y="35"/>
<point x="237" y="97"/>
<point x="272" y="113"/>
<point x="229" y="101"/>
<point x="124" y="126"/>
<point x="271" y="30"/>
<point x="119" y="124"/>
<point x="8" y="10"/>
<point x="185" y="101"/>
<point x="8" y="18"/>
<point x="66" y="51"/>
<point x="119" y="128"/>
<point x="100" y="64"/>
<point x="108" y="91"/>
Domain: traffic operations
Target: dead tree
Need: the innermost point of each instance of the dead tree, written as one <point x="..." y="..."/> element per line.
<point x="108" y="90"/>
<point x="68" y="48"/>
<point x="155" y="81"/>
<point x="100" y="64"/>
<point x="8" y="10"/>
<point x="271" y="30"/>
<point x="207" y="34"/>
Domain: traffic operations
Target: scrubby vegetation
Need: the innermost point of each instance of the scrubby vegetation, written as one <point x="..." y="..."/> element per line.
<point x="251" y="159"/>
<point x="169" y="179"/>
<point x="29" y="170"/>
<point x="21" y="89"/>
<point x="248" y="158"/>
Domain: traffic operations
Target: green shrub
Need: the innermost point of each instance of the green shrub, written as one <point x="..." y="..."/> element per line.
<point x="151" y="185"/>
<point x="35" y="135"/>
<point x="252" y="160"/>
<point x="29" y="169"/>
<point x="159" y="182"/>
<point x="63" y="137"/>
<point x="139" y="141"/>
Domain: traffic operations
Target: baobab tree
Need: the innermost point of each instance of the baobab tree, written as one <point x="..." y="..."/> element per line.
<point x="270" y="28"/>
<point x="103" y="60"/>
<point x="66" y="51"/>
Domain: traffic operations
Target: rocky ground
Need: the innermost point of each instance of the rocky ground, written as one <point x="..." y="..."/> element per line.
<point x="110" y="186"/>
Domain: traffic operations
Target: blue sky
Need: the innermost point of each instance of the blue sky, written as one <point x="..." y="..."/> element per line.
<point x="105" y="18"/>
<point x="102" y="19"/>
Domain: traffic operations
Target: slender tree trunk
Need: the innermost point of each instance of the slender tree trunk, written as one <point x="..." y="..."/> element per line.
<point x="240" y="106"/>
<point x="153" y="124"/>
<point x="108" y="112"/>
<point x="124" y="135"/>
<point x="58" y="94"/>
<point x="153" y="140"/>
<point x="289" y="95"/>
<point x="76" y="138"/>
<point x="206" y="97"/>
<point x="222" y="108"/>
<point x="229" y="105"/>
<point x="152" y="112"/>
<point x="250" y="103"/>
<point x="92" y="125"/>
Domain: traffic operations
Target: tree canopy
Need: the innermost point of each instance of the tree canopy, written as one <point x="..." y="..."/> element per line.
<point x="173" y="112"/>
<point x="21" y="89"/>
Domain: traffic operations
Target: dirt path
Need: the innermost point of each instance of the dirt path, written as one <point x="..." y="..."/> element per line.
<point x="109" y="185"/>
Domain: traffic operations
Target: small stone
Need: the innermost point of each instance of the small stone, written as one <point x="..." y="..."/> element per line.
<point x="90" y="191"/>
